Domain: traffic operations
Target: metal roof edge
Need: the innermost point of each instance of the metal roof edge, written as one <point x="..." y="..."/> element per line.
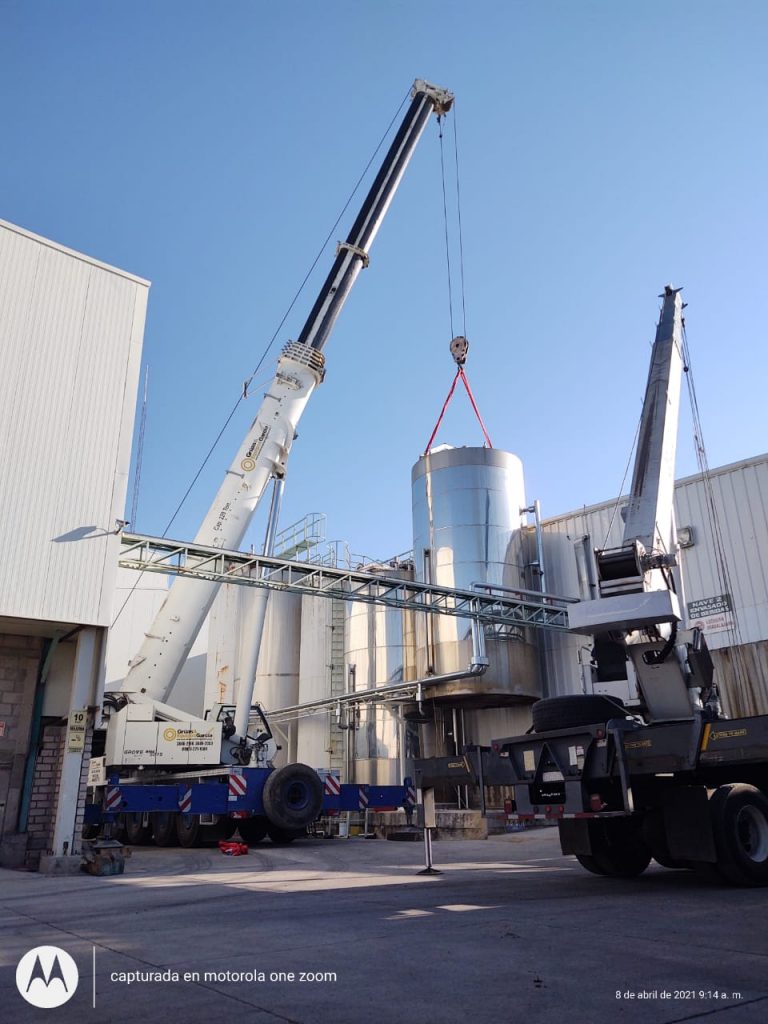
<point x="73" y="252"/>
<point x="718" y="471"/>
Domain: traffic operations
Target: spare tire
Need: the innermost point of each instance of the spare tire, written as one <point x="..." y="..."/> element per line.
<point x="574" y="710"/>
<point x="293" y="796"/>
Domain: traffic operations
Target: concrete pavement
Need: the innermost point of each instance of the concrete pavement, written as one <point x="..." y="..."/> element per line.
<point x="335" y="932"/>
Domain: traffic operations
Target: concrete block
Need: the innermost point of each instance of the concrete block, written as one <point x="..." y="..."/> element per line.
<point x="52" y="865"/>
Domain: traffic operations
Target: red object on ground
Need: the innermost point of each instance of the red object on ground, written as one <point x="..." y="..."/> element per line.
<point x="232" y="848"/>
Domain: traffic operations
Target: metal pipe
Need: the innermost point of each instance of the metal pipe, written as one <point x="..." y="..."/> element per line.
<point x="525" y="593"/>
<point x="278" y="489"/>
<point x="253" y="626"/>
<point x="478" y="666"/>
<point x="539" y="543"/>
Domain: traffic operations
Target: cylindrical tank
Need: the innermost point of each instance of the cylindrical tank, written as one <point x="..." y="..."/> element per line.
<point x="277" y="673"/>
<point x="378" y="651"/>
<point x="315" y="669"/>
<point x="467" y="528"/>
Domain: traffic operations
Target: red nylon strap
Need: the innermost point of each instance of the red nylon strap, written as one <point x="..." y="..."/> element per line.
<point x="474" y="406"/>
<point x="459" y="374"/>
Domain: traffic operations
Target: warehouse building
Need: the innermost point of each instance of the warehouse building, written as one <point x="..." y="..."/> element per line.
<point x="71" y="334"/>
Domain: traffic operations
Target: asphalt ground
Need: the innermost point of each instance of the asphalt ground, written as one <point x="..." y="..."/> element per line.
<point x="338" y="931"/>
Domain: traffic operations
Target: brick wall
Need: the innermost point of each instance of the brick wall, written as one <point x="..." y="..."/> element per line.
<point x="45" y="793"/>
<point x="19" y="666"/>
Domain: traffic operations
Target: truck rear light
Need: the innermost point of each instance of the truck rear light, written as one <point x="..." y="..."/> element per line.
<point x="548" y="810"/>
<point x="600" y="734"/>
<point x="596" y="802"/>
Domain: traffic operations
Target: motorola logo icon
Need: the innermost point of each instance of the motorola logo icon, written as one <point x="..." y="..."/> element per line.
<point x="47" y="977"/>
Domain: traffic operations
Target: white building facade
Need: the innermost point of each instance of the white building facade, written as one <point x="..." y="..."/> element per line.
<point x="71" y="334"/>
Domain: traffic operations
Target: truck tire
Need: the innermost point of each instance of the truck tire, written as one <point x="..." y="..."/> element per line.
<point x="618" y="850"/>
<point x="164" y="828"/>
<point x="283" y="836"/>
<point x="293" y="796"/>
<point x="574" y="710"/>
<point x="136" y="833"/>
<point x="654" y="836"/>
<point x="252" y="830"/>
<point x="188" y="830"/>
<point x="590" y="864"/>
<point x="739" y="815"/>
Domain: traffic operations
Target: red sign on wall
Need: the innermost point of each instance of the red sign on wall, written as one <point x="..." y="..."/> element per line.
<point x="2" y="729"/>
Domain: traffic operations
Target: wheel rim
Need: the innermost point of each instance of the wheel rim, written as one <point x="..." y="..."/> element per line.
<point x="752" y="834"/>
<point x="297" y="796"/>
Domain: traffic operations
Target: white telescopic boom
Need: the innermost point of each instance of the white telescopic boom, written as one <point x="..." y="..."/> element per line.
<point x="264" y="451"/>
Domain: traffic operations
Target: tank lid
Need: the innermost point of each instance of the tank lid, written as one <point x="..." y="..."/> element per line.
<point x="446" y="456"/>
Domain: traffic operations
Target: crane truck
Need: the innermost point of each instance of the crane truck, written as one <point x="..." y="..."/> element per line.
<point x="664" y="775"/>
<point x="173" y="776"/>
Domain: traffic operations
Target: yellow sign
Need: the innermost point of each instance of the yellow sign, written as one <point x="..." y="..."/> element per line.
<point x="169" y="734"/>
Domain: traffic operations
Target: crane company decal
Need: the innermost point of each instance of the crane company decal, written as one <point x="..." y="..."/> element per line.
<point x="248" y="464"/>
<point x="190" y="739"/>
<point x="47" y="977"/>
<point x="712" y="614"/>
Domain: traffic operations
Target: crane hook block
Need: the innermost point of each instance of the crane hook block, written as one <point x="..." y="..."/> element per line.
<point x="459" y="348"/>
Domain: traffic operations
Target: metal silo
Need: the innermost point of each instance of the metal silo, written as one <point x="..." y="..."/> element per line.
<point x="378" y="650"/>
<point x="468" y="528"/>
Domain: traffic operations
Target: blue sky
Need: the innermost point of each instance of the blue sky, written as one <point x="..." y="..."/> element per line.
<point x="605" y="149"/>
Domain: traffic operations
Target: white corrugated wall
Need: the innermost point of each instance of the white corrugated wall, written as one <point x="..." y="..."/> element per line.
<point x="71" y="332"/>
<point x="740" y="495"/>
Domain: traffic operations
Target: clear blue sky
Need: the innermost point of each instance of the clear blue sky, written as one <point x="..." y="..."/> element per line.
<point x="605" y="148"/>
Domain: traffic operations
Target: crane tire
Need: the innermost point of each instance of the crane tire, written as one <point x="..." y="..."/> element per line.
<point x="293" y="796"/>
<point x="618" y="849"/>
<point x="136" y="833"/>
<point x="189" y="831"/>
<point x="739" y="816"/>
<point x="574" y="710"/>
<point x="164" y="828"/>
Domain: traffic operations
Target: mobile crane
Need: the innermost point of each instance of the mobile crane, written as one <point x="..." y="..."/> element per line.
<point x="664" y="776"/>
<point x="166" y="772"/>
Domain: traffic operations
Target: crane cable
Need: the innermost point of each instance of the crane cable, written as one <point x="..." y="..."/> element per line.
<point x="722" y="569"/>
<point x="460" y="372"/>
<point x="244" y="393"/>
<point x="246" y="384"/>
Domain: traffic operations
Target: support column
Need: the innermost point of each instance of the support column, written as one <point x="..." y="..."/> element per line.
<point x="82" y="694"/>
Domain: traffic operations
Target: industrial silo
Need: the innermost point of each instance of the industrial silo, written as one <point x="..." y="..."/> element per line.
<point x="468" y="520"/>
<point x="378" y="651"/>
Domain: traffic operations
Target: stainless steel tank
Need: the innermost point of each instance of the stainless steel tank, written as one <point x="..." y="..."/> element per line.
<point x="467" y="528"/>
<point x="314" y="744"/>
<point x="378" y="650"/>
<point x="277" y="672"/>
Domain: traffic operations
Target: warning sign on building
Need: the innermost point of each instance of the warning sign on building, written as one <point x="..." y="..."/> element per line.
<point x="76" y="726"/>
<point x="712" y="614"/>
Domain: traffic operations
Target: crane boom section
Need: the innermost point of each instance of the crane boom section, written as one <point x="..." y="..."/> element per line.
<point x="649" y="515"/>
<point x="264" y="451"/>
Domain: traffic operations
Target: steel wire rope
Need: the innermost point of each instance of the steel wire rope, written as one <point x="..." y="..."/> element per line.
<point x="722" y="568"/>
<point x="623" y="481"/>
<point x="445" y="223"/>
<point x="243" y="394"/>
<point x="458" y="214"/>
